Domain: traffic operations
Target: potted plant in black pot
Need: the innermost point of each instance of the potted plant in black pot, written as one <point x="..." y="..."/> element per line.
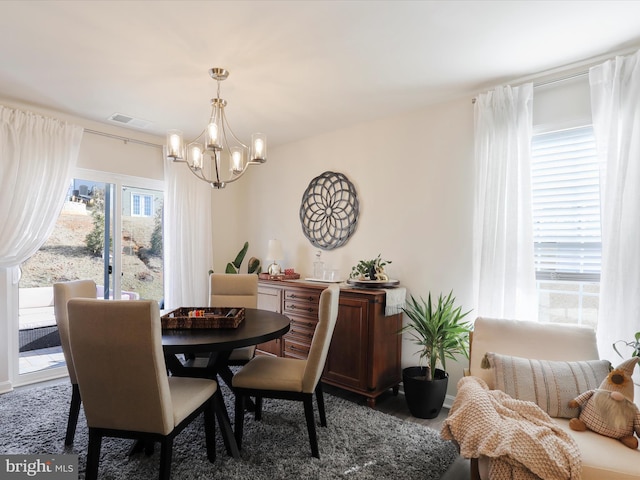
<point x="440" y="332"/>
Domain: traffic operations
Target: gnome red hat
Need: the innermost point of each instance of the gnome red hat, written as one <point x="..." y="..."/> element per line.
<point x="619" y="379"/>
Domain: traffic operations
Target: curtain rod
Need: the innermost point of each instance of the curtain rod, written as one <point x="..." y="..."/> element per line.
<point x="581" y="67"/>
<point x="553" y="81"/>
<point x="124" y="139"/>
<point x="561" y="79"/>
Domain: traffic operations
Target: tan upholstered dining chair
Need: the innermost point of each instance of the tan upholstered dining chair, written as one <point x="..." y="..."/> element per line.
<point x="289" y="378"/>
<point x="62" y="292"/>
<point x="239" y="290"/>
<point x="117" y="352"/>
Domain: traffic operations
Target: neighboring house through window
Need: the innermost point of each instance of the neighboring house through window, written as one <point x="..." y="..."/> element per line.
<point x="141" y="205"/>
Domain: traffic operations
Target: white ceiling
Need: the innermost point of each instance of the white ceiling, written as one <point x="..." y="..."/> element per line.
<point x="297" y="68"/>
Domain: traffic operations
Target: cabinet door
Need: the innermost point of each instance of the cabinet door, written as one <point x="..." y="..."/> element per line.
<point x="348" y="354"/>
<point x="270" y="299"/>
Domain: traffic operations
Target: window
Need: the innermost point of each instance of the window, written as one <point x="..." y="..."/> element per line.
<point x="141" y="205"/>
<point x="566" y="216"/>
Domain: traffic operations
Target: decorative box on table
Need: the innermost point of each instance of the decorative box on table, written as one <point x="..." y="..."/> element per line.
<point x="203" y="317"/>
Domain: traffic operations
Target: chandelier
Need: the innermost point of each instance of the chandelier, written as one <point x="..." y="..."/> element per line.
<point x="217" y="142"/>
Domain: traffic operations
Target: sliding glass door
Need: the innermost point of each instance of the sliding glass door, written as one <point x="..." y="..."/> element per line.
<point x="99" y="218"/>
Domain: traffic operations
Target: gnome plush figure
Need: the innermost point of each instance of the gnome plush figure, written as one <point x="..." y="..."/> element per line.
<point x="610" y="410"/>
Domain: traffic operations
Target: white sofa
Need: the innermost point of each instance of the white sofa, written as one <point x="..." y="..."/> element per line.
<point x="602" y="458"/>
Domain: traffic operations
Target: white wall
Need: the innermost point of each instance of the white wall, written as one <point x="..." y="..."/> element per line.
<point x="414" y="178"/>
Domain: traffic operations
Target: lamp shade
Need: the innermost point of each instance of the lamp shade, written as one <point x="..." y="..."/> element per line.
<point x="274" y="251"/>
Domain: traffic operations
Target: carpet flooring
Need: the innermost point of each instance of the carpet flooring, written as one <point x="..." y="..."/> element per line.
<point x="358" y="443"/>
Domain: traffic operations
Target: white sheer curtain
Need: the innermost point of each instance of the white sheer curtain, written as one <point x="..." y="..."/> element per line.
<point x="504" y="275"/>
<point x="615" y="103"/>
<point x="37" y="155"/>
<point x="188" y="237"/>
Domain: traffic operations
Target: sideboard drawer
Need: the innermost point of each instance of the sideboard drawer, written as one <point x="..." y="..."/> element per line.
<point x="301" y="322"/>
<point x="301" y="308"/>
<point x="302" y="330"/>
<point x="295" y="349"/>
<point x="312" y="297"/>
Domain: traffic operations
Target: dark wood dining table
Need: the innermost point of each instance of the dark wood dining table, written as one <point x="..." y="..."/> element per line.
<point x="257" y="327"/>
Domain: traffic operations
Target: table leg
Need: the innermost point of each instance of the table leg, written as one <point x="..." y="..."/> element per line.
<point x="225" y="427"/>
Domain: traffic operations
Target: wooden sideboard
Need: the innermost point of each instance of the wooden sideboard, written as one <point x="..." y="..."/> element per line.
<point x="364" y="356"/>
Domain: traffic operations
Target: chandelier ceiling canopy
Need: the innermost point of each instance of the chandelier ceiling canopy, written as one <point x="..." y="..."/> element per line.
<point x="217" y="145"/>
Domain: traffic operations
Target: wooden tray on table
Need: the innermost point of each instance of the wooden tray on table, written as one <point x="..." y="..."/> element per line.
<point x="203" y="317"/>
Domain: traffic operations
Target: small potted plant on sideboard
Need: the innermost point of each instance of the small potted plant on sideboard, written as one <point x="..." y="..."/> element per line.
<point x="440" y="332"/>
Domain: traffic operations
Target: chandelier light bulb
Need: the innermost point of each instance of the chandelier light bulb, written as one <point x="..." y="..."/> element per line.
<point x="259" y="145"/>
<point x="174" y="144"/>
<point x="195" y="156"/>
<point x="212" y="136"/>
<point x="237" y="162"/>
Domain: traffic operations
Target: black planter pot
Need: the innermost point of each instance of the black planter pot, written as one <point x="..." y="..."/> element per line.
<point x="424" y="398"/>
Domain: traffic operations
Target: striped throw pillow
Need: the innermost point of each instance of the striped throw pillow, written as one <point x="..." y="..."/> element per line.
<point x="549" y="384"/>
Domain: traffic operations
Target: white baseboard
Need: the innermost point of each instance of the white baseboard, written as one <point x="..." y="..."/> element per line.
<point x="6" y="387"/>
<point x="448" y="401"/>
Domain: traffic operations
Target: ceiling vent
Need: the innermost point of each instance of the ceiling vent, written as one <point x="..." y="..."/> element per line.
<point x="127" y="121"/>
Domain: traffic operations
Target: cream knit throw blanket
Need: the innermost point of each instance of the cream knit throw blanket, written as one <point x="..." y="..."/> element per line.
<point x="520" y="439"/>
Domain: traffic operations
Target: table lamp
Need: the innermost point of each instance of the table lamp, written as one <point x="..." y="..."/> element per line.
<point x="274" y="253"/>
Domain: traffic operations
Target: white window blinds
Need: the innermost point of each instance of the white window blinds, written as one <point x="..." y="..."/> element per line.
<point x="566" y="205"/>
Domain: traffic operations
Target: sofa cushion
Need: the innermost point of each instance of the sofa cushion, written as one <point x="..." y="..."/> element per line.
<point x="542" y="341"/>
<point x="549" y="384"/>
<point x="603" y="457"/>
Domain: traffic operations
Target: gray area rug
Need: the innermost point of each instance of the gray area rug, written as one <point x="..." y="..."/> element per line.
<point x="358" y="443"/>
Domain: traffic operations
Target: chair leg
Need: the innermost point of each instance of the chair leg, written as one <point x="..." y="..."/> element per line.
<point x="210" y="430"/>
<point x="311" y="424"/>
<point x="166" y="450"/>
<point x="226" y="375"/>
<point x="320" y="400"/>
<point x="258" y="412"/>
<point x="239" y="419"/>
<point x="93" y="454"/>
<point x="74" y="411"/>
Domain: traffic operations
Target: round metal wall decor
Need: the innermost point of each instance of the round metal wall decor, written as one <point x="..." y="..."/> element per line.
<point x="329" y="210"/>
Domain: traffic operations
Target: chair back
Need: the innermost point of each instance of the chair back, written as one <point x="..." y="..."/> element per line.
<point x="62" y="292"/>
<point x="233" y="290"/>
<point x="327" y="316"/>
<point x="122" y="376"/>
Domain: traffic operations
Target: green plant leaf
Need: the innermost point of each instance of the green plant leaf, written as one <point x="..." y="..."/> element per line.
<point x="253" y="266"/>
<point x="240" y="257"/>
<point x="363" y="267"/>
